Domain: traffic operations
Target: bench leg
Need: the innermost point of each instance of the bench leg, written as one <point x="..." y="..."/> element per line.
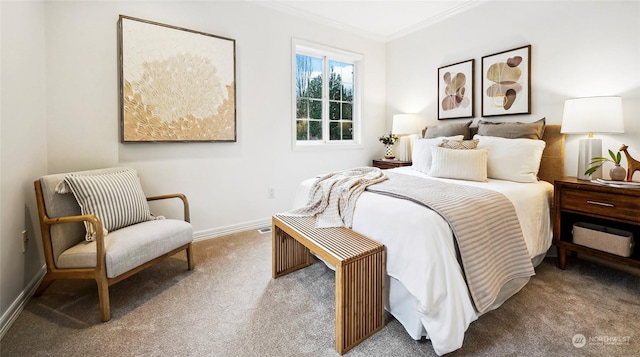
<point x="288" y="254"/>
<point x="359" y="300"/>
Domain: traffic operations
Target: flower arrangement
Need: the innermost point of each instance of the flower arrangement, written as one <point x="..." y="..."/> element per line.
<point x="388" y="139"/>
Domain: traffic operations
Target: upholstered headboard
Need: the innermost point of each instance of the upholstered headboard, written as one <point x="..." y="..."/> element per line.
<point x="552" y="164"/>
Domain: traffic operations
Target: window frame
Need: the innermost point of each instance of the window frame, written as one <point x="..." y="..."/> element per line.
<point x="328" y="54"/>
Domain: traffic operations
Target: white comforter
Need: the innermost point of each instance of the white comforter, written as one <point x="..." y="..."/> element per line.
<point x="421" y="253"/>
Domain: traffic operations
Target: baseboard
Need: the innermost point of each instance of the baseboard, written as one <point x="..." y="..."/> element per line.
<point x="12" y="313"/>
<point x="236" y="228"/>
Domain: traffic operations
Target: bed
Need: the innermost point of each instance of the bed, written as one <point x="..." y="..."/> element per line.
<point x="427" y="284"/>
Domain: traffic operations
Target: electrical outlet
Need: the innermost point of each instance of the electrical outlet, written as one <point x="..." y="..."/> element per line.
<point x="272" y="192"/>
<point x="25" y="240"/>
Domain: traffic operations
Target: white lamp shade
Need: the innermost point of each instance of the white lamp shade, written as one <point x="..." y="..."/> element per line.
<point x="404" y="124"/>
<point x="593" y="115"/>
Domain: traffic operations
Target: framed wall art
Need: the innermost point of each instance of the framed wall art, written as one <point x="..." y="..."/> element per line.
<point x="176" y="85"/>
<point x="455" y="90"/>
<point x="506" y="82"/>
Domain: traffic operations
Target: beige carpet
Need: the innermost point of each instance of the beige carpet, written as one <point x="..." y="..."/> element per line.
<point x="230" y="306"/>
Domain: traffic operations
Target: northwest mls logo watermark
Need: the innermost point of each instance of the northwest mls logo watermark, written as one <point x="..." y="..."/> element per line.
<point x="579" y="340"/>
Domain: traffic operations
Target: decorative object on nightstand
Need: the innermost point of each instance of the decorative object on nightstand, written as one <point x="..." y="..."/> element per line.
<point x="632" y="164"/>
<point x="403" y="126"/>
<point x="388" y="140"/>
<point x="587" y="116"/>
<point x="617" y="173"/>
<point x="389" y="164"/>
<point x="610" y="213"/>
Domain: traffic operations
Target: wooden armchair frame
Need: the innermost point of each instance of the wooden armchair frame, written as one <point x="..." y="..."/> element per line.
<point x="99" y="273"/>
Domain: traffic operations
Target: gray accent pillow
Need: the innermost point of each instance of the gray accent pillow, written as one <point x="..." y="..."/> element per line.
<point x="448" y="130"/>
<point x="516" y="130"/>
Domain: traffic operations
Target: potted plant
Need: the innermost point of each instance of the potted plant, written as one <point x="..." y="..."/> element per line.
<point x="388" y="140"/>
<point x="617" y="173"/>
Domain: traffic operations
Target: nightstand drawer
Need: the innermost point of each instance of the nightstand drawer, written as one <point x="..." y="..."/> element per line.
<point x="615" y="206"/>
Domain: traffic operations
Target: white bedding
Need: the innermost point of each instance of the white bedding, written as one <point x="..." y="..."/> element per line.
<point x="421" y="254"/>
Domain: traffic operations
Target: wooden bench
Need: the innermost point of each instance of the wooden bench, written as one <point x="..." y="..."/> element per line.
<point x="359" y="263"/>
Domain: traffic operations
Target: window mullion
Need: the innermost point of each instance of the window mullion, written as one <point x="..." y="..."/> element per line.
<point x="325" y="99"/>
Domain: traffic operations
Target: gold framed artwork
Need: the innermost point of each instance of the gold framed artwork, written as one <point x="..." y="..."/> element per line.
<point x="176" y="85"/>
<point x="455" y="90"/>
<point x="506" y="82"/>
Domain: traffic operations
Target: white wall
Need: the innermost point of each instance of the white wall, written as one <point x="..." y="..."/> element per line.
<point x="579" y="48"/>
<point x="227" y="183"/>
<point x="22" y="148"/>
<point x="72" y="48"/>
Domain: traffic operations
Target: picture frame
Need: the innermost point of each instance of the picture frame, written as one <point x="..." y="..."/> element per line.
<point x="455" y="90"/>
<point x="506" y="82"/>
<point x="175" y="84"/>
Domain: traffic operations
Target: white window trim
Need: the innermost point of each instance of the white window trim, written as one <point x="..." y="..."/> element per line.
<point x="314" y="49"/>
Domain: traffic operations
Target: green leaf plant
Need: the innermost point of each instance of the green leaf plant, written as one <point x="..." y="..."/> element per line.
<point x="596" y="162"/>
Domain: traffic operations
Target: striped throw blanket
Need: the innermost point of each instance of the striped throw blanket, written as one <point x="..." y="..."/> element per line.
<point x="332" y="198"/>
<point x="485" y="225"/>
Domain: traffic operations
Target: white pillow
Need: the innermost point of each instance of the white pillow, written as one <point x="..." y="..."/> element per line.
<point x="512" y="159"/>
<point x="421" y="152"/>
<point x="468" y="165"/>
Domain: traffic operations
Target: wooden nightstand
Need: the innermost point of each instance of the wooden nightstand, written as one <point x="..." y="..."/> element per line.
<point x="582" y="201"/>
<point x="390" y="164"/>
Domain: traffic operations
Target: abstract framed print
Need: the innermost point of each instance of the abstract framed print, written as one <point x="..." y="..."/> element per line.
<point x="455" y="90"/>
<point x="506" y="82"/>
<point x="176" y="85"/>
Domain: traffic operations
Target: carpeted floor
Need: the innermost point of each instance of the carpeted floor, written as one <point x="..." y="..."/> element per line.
<point x="230" y="306"/>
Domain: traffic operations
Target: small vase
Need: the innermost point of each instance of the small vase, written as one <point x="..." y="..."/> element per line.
<point x="389" y="152"/>
<point x="618" y="173"/>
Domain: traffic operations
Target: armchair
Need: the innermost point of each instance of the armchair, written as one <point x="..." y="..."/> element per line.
<point x="97" y="225"/>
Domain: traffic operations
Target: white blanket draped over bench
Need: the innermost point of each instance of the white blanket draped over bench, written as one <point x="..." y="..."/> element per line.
<point x="333" y="197"/>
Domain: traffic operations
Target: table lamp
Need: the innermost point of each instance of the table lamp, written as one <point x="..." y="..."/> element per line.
<point x="404" y="124"/>
<point x="590" y="115"/>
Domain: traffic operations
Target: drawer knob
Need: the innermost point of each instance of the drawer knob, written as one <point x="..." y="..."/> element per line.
<point x="602" y="204"/>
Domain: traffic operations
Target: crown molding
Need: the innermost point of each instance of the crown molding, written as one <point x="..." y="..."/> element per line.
<point x="436" y="19"/>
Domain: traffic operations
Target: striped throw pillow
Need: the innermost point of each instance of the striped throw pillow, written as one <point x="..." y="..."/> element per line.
<point x="470" y="165"/>
<point x="116" y="199"/>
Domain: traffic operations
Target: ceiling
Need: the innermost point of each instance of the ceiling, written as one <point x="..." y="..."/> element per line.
<point x="382" y="20"/>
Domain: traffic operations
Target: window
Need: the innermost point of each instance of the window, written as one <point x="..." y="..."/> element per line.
<point x="326" y="96"/>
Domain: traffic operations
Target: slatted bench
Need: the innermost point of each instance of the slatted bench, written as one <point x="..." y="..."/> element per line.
<point x="359" y="263"/>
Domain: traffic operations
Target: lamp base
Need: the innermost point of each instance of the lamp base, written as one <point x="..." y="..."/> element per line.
<point x="589" y="148"/>
<point x="404" y="148"/>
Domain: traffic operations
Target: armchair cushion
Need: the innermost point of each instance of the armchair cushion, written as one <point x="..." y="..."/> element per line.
<point x="115" y="198"/>
<point x="131" y="246"/>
